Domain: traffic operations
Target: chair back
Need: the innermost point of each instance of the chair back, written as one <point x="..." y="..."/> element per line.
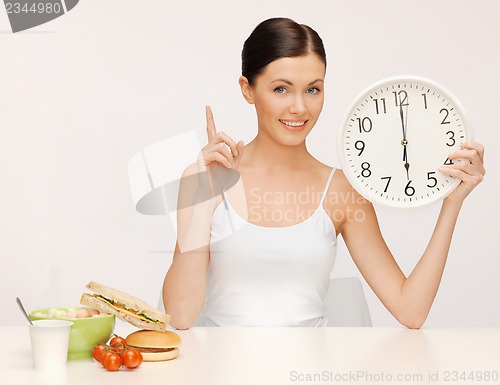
<point x="346" y="304"/>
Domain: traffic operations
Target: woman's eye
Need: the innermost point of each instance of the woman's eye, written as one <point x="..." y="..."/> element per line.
<point x="312" y="90"/>
<point x="279" y="90"/>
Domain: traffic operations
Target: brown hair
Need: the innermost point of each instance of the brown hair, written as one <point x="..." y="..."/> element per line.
<point x="277" y="38"/>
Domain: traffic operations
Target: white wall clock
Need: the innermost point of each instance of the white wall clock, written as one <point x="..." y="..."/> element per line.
<point x="395" y="135"/>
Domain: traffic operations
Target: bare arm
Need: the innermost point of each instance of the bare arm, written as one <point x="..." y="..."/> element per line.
<point x="185" y="282"/>
<point x="409" y="299"/>
<point x="184" y="286"/>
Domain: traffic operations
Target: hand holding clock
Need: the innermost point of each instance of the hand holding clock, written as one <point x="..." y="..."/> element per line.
<point x="439" y="127"/>
<point x="468" y="167"/>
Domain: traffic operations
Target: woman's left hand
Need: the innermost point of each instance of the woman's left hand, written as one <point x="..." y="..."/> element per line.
<point x="469" y="169"/>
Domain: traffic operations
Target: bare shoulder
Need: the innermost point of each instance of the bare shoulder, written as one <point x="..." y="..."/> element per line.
<point x="340" y="181"/>
<point x="343" y="201"/>
<point x="190" y="170"/>
<point x="340" y="184"/>
<point x="189" y="181"/>
<point x="194" y="187"/>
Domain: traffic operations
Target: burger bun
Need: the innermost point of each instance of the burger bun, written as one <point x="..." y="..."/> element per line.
<point x="155" y="345"/>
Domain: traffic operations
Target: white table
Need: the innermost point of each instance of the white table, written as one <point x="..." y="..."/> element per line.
<point x="277" y="356"/>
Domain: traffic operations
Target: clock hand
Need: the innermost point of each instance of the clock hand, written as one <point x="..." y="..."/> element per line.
<point x="406" y="121"/>
<point x="404" y="142"/>
<point x="407" y="166"/>
<point x="405" y="159"/>
<point x="402" y="120"/>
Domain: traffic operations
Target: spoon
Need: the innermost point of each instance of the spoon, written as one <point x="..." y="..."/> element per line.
<point x="23" y="310"/>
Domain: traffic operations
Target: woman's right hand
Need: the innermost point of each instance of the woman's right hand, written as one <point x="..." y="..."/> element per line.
<point x="221" y="150"/>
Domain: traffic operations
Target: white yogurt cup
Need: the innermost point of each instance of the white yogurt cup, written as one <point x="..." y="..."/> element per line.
<point x="49" y="343"/>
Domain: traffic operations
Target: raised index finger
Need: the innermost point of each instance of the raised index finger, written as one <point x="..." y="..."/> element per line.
<point x="211" y="130"/>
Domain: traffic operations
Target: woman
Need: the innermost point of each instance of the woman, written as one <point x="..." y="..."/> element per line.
<point x="259" y="254"/>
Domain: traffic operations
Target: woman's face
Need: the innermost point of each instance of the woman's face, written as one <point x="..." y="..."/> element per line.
<point x="288" y="97"/>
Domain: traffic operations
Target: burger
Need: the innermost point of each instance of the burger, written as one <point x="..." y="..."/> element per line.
<point x="155" y="345"/>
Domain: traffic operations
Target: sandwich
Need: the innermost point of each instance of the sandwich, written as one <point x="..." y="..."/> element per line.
<point x="155" y="346"/>
<point x="125" y="307"/>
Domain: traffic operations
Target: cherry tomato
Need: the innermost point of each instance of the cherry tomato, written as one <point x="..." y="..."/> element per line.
<point x="111" y="361"/>
<point x="132" y="358"/>
<point x="120" y="348"/>
<point x="116" y="340"/>
<point x="105" y="353"/>
<point x="98" y="350"/>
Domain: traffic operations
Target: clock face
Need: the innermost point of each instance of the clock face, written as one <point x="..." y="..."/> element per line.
<point x="395" y="135"/>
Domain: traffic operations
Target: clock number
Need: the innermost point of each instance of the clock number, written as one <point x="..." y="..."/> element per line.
<point x="452" y="138"/>
<point x="409" y="190"/>
<point x="425" y="100"/>
<point x="365" y="169"/>
<point x="383" y="104"/>
<point x="444" y="121"/>
<point x="360" y="146"/>
<point x="403" y="100"/>
<point x="430" y="177"/>
<point x="388" y="181"/>
<point x="448" y="161"/>
<point x="364" y="125"/>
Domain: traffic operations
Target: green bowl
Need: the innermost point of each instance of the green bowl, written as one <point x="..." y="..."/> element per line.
<point x="85" y="332"/>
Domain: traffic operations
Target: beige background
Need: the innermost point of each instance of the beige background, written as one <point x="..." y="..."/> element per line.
<point x="84" y="93"/>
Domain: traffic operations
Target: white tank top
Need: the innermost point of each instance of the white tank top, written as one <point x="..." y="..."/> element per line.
<point x="269" y="276"/>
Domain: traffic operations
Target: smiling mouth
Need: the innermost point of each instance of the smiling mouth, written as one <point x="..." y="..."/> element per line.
<point x="294" y="123"/>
